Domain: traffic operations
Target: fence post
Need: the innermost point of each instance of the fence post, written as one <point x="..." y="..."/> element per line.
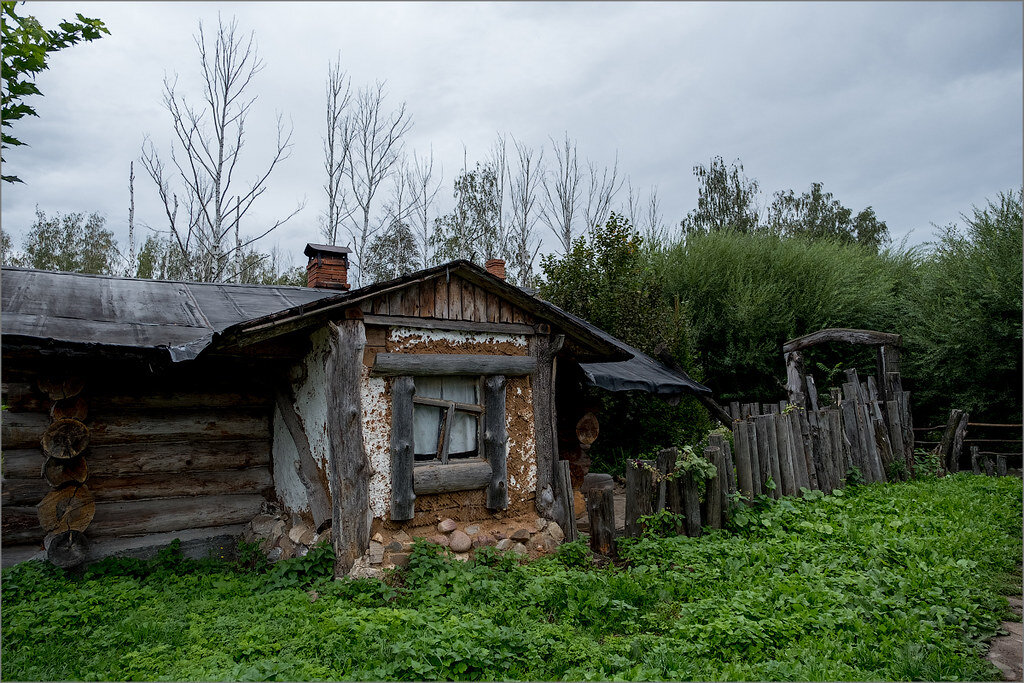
<point x="639" y="482"/>
<point x="1001" y="465"/>
<point x="600" y="495"/>
<point x="712" y="488"/>
<point x="975" y="464"/>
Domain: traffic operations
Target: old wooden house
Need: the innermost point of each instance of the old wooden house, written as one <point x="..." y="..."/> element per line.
<point x="140" y="411"/>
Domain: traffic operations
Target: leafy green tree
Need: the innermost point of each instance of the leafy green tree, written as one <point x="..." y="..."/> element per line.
<point x="726" y="198"/>
<point x="71" y="242"/>
<point x="26" y="48"/>
<point x="818" y="215"/>
<point x="472" y="230"/>
<point x="6" y="250"/>
<point x="963" y="335"/>
<point x="391" y="254"/>
<point x="607" y="278"/>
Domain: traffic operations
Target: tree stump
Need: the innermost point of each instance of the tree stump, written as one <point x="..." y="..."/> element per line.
<point x="639" y="485"/>
<point x="68" y="509"/>
<point x="601" y="513"/>
<point x="65" y="439"/>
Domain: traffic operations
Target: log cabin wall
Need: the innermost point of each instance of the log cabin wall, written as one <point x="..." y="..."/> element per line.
<point x="415" y="320"/>
<point x="182" y="454"/>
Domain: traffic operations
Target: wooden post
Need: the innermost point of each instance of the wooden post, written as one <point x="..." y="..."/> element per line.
<point x="544" y="348"/>
<point x="801" y="445"/>
<point x="975" y="464"/>
<point x="403" y="496"/>
<point x="795" y="378"/>
<point x="989" y="465"/>
<point x="734" y="409"/>
<point x="892" y="413"/>
<point x="601" y="513"/>
<point x="1001" y="465"/>
<point x="349" y="467"/>
<point x="639" y="482"/>
<point x="726" y="477"/>
<point x="309" y="473"/>
<point x="563" y="488"/>
<point x="666" y="463"/>
<point x="743" y="472"/>
<point x="790" y="483"/>
<point x="952" y="440"/>
<point x="841" y="447"/>
<point x="691" y="503"/>
<point x="766" y="425"/>
<point x="765" y="454"/>
<point x="712" y="490"/>
<point x="496" y="450"/>
<point x="755" y="457"/>
<point x="825" y="453"/>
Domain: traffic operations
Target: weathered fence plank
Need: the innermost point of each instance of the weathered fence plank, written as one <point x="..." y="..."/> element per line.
<point x="639" y="483"/>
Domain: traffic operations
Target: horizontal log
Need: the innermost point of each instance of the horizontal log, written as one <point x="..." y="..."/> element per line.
<point x="149" y="486"/>
<point x="20" y="524"/>
<point x="140" y="517"/>
<point x="141" y="458"/>
<point x="23" y="397"/>
<point x="868" y="337"/>
<point x="22" y="430"/>
<point x="455" y="476"/>
<point x="990" y="424"/>
<point x="415" y="364"/>
<point x="224" y="424"/>
<point x="439" y="324"/>
<point x="173" y="400"/>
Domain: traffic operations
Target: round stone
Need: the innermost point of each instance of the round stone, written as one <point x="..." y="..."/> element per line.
<point x="446" y="526"/>
<point x="459" y="541"/>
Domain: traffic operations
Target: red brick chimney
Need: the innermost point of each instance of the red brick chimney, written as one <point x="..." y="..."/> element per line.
<point x="496" y="267"/>
<point x="328" y="266"/>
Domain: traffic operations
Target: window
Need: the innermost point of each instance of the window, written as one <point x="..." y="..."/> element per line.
<point x="446" y="419"/>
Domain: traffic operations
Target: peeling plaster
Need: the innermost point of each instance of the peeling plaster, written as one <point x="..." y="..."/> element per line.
<point x="289" y="487"/>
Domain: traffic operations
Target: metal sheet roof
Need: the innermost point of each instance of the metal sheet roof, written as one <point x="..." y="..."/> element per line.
<point x="113" y="311"/>
<point x="183" y="317"/>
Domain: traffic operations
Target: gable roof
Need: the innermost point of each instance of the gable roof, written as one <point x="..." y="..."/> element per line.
<point x="183" y="319"/>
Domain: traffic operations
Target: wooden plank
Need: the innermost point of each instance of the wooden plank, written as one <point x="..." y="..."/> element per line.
<point x="867" y="337"/>
<point x="480" y="305"/>
<point x="455" y="299"/>
<point x="505" y="312"/>
<point x="563" y="487"/>
<point x="493" y="308"/>
<point x="366" y="305"/>
<point x="462" y="325"/>
<point x="468" y="301"/>
<point x="426" y="305"/>
<point x="1001" y="465"/>
<point x="437" y="364"/>
<point x="23" y="397"/>
<point x="103" y="405"/>
<point x="380" y="305"/>
<point x="975" y="460"/>
<point x="744" y="474"/>
<point x="403" y="494"/>
<point x="765" y="456"/>
<point x="812" y="394"/>
<point x="496" y="445"/>
<point x="826" y="454"/>
<point x="314" y="479"/>
<point x="441" y="403"/>
<point x="396" y="301"/>
<point x="841" y="453"/>
<point x="411" y="300"/>
<point x="734" y="409"/>
<point x="892" y="413"/>
<point x="639" y="485"/>
<point x="851" y="431"/>
<point x="712" y="490"/>
<point x="795" y="378"/>
<point x="787" y="469"/>
<point x="455" y="476"/>
<point x="755" y="458"/>
<point x="691" y="504"/>
<point x="517" y="315"/>
<point x="350" y="469"/>
<point x="666" y="462"/>
<point x="441" y="298"/>
<point x="802" y="450"/>
<point x="20" y="524"/>
<point x="727" y="483"/>
<point x="872" y="389"/>
<point x="767" y="423"/>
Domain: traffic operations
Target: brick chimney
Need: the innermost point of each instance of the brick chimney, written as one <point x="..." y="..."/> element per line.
<point x="328" y="266"/>
<point x="496" y="267"/>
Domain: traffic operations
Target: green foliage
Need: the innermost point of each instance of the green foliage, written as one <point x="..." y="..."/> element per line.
<point x="26" y="48"/>
<point x="391" y="254"/>
<point x="472" y="231"/>
<point x="886" y="582"/>
<point x="70" y="242"/>
<point x="302" y="572"/>
<point x="661" y="524"/>
<point x="726" y="200"/>
<point x="575" y="555"/>
<point x="817" y="215"/>
<point x="963" y="333"/>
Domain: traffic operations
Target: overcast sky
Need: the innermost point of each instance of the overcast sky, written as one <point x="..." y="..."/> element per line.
<point x="912" y="108"/>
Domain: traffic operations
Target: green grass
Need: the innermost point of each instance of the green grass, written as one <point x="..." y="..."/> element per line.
<point x="891" y="582"/>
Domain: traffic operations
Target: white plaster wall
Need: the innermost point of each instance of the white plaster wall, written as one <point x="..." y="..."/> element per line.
<point x="408" y="337"/>
<point x="524" y="479"/>
<point x="289" y="487"/>
<point x="377" y="440"/>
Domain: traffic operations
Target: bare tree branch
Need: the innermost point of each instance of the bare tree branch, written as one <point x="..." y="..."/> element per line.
<point x="562" y="193"/>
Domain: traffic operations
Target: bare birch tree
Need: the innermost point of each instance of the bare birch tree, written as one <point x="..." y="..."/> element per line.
<point x="210" y="139"/>
<point x="376" y="138"/>
<point x="602" y="187"/>
<point x="420" y="176"/>
<point x="525" y="184"/>
<point x="496" y="240"/>
<point x="336" y="150"/>
<point x="562" y="190"/>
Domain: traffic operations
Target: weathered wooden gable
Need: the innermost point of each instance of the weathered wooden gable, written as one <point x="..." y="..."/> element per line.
<point x="445" y="297"/>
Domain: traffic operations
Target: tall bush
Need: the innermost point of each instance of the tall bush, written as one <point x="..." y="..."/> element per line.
<point x="963" y="332"/>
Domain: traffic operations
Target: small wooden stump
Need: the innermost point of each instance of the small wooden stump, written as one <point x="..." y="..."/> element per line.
<point x="639" y="485"/>
<point x="691" y="503"/>
<point x="601" y="513"/>
<point x="975" y="462"/>
<point x="1001" y="465"/>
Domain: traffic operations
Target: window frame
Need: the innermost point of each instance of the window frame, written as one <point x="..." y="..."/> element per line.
<point x="449" y="409"/>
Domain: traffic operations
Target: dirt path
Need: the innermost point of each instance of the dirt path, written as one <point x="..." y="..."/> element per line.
<point x="1007" y="652"/>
